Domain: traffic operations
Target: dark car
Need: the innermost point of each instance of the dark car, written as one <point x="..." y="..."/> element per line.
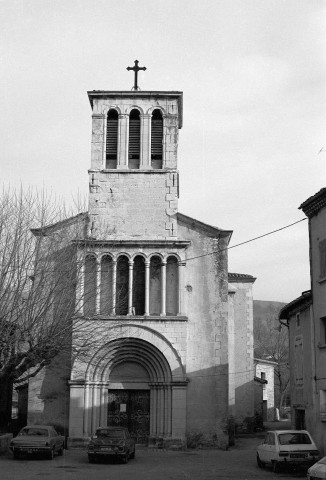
<point x="111" y="442"/>
<point x="41" y="439"/>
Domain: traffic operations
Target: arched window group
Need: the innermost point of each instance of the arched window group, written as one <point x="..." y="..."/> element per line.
<point x="131" y="287"/>
<point x="135" y="138"/>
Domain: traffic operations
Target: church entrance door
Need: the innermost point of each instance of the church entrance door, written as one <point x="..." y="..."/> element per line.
<point x="130" y="409"/>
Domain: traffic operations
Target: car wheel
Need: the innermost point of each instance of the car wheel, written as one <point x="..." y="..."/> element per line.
<point x="276" y="466"/>
<point x="260" y="463"/>
<point x="125" y="458"/>
<point x="16" y="455"/>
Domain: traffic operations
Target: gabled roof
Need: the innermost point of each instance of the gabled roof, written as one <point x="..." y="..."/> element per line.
<point x="204" y="227"/>
<point x="315" y="203"/>
<point x="299" y="303"/>
<point x="48" y="229"/>
<point x="264" y="360"/>
<point x="241" y="277"/>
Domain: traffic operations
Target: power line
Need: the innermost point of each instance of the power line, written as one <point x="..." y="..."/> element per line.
<point x="247" y="241"/>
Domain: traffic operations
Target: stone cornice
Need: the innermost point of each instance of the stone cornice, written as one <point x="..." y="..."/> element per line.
<point x="179" y="244"/>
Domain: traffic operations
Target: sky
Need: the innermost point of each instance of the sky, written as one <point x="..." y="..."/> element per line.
<point x="252" y="72"/>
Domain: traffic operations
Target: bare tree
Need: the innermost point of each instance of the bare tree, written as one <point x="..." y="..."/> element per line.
<point x="41" y="261"/>
<point x="271" y="343"/>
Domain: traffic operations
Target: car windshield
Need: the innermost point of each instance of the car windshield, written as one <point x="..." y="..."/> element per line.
<point x="42" y="432"/>
<point x="111" y="434"/>
<point x="294" y="439"/>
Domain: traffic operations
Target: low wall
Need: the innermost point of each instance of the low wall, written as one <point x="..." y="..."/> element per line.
<point x="4" y="442"/>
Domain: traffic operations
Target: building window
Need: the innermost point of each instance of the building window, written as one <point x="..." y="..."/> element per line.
<point x="90" y="286"/>
<point x="122" y="286"/>
<point x="155" y="286"/>
<point x="322" y="405"/>
<point x="297" y="320"/>
<point x="263" y="377"/>
<point x="138" y="286"/>
<point x="134" y="139"/>
<point x="112" y="139"/>
<point x="106" y="299"/>
<point x="322" y="253"/>
<point x="323" y="330"/>
<point x="172" y="289"/>
<point x="298" y="360"/>
<point x="157" y="139"/>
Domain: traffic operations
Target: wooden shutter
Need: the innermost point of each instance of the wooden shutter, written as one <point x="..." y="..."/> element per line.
<point x="134" y="138"/>
<point x="112" y="139"/>
<point x="157" y="139"/>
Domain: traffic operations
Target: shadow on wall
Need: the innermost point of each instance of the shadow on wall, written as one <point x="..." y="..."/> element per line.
<point x="52" y="404"/>
<point x="207" y="408"/>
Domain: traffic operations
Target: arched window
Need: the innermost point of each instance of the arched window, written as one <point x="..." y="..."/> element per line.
<point x="134" y="139"/>
<point x="138" y="286"/>
<point x="172" y="289"/>
<point x="155" y="286"/>
<point x="122" y="285"/>
<point x="157" y="139"/>
<point x="106" y="300"/>
<point x="112" y="139"/>
<point x="90" y="286"/>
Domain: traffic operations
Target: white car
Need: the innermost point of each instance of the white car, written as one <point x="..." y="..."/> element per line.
<point x="287" y="448"/>
<point x="317" y="471"/>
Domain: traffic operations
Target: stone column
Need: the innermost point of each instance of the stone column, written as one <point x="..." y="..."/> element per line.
<point x="181" y="267"/>
<point x="98" y="287"/>
<point x="163" y="288"/>
<point x="145" y="141"/>
<point x="131" y="267"/>
<point x="153" y="413"/>
<point x="114" y="286"/>
<point x="80" y="287"/>
<point x="147" y="279"/>
<point x="123" y="140"/>
<point x="103" y="418"/>
<point x="93" y="409"/>
<point x="86" y="409"/>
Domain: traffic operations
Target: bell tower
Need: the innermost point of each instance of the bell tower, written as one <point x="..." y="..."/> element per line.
<point x="133" y="179"/>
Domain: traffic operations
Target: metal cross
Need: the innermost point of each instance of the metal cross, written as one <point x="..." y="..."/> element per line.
<point x="136" y="70"/>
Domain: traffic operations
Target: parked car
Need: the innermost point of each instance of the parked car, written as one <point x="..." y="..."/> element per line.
<point x="287" y="448"/>
<point x="111" y="442"/>
<point x="42" y="439"/>
<point x="318" y="470"/>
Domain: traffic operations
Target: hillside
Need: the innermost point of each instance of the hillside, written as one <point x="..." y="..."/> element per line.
<point x="264" y="310"/>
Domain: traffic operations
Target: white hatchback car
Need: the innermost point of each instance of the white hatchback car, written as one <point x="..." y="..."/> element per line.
<point x="287" y="448"/>
<point x="317" y="471"/>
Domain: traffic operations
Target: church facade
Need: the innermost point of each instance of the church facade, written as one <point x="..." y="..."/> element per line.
<point x="172" y="329"/>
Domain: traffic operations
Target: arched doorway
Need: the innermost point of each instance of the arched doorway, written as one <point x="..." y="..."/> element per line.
<point x="138" y="381"/>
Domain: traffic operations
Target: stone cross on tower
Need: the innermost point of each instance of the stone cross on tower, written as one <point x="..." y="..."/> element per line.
<point x="136" y="70"/>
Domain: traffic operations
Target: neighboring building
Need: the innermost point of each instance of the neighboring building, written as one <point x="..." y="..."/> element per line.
<point x="306" y="317"/>
<point x="264" y="369"/>
<point x="298" y="315"/>
<point x="241" y="347"/>
<point x="165" y="331"/>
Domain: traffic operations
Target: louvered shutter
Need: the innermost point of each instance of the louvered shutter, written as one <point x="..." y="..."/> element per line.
<point x="112" y="139"/>
<point x="157" y="139"/>
<point x="134" y="139"/>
